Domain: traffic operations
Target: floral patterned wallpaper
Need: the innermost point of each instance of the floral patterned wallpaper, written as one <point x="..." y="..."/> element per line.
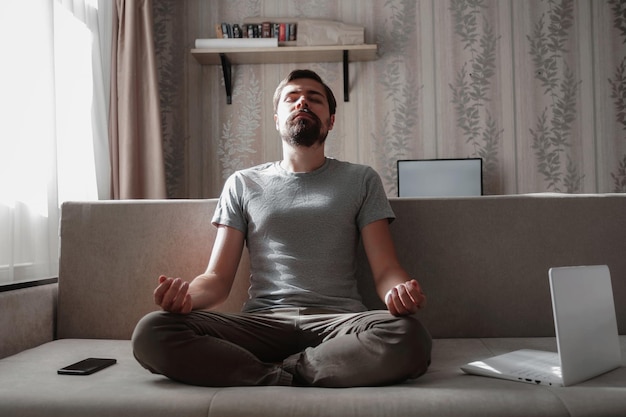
<point x="536" y="88"/>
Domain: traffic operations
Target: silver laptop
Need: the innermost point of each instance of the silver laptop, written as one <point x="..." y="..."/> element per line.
<point x="440" y="177"/>
<point x="586" y="334"/>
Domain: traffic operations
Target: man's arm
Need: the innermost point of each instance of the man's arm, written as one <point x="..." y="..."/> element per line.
<point x="210" y="288"/>
<point x="396" y="288"/>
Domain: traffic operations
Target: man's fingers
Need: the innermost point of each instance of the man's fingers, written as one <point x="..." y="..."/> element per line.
<point x="161" y="289"/>
<point x="187" y="304"/>
<point x="391" y="304"/>
<point x="416" y="293"/>
<point x="392" y="308"/>
<point x="406" y="298"/>
<point x="172" y="295"/>
<point x="177" y="304"/>
<point x="408" y="301"/>
<point x="399" y="307"/>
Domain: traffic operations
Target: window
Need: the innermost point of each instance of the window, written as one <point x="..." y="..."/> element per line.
<point x="53" y="131"/>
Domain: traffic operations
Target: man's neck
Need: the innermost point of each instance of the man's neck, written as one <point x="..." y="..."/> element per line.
<point x="302" y="159"/>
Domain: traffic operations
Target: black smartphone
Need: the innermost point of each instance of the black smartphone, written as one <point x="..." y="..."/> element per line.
<point x="86" y="366"/>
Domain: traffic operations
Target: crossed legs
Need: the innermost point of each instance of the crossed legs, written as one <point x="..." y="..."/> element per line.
<point x="284" y="348"/>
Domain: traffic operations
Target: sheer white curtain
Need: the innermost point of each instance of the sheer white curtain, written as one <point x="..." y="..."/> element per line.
<point x="53" y="135"/>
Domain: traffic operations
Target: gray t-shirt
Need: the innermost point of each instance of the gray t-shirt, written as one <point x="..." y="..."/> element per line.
<point x="302" y="231"/>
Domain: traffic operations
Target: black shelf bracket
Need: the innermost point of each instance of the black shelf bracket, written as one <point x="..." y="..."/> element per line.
<point x="228" y="77"/>
<point x="346" y="77"/>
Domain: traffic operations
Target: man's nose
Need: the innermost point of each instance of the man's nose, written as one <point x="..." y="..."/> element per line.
<point x="302" y="103"/>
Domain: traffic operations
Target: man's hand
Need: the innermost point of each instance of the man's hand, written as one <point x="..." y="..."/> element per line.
<point x="405" y="298"/>
<point x="172" y="295"/>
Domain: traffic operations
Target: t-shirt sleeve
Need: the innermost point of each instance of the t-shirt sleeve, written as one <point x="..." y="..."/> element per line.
<point x="230" y="210"/>
<point x="375" y="202"/>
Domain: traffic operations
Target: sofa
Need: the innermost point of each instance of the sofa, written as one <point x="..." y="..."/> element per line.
<point x="482" y="261"/>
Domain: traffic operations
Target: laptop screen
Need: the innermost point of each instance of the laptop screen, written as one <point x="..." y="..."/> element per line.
<point x="440" y="177"/>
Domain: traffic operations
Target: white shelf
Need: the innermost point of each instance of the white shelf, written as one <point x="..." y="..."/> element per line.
<point x="284" y="54"/>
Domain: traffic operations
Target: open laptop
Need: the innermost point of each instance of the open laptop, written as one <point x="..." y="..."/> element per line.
<point x="440" y="177"/>
<point x="586" y="334"/>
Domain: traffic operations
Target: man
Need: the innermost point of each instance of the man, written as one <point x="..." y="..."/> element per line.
<point x="304" y="323"/>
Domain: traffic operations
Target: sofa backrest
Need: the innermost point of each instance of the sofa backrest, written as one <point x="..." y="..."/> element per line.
<point x="482" y="261"/>
<point x="112" y="253"/>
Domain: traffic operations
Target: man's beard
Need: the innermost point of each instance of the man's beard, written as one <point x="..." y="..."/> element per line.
<point x="304" y="131"/>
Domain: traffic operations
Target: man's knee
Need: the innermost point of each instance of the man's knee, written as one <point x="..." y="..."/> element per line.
<point x="147" y="338"/>
<point x="146" y="329"/>
<point x="412" y="345"/>
<point x="421" y="344"/>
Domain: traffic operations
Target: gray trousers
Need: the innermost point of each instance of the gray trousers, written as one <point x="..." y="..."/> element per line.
<point x="296" y="347"/>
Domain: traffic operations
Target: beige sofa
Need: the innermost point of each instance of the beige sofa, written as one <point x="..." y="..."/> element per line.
<point x="482" y="261"/>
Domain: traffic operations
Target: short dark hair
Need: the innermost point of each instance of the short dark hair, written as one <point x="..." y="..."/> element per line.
<point x="305" y="73"/>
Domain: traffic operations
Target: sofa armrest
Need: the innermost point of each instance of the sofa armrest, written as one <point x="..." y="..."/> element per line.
<point x="27" y="318"/>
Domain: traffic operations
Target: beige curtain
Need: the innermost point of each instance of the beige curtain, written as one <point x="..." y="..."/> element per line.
<point x="137" y="169"/>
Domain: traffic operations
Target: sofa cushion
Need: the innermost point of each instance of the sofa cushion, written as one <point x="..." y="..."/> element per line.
<point x="30" y="386"/>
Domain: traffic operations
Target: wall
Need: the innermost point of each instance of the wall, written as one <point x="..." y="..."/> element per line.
<point x="537" y="88"/>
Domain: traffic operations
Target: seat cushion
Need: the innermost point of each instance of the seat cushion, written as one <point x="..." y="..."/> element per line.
<point x="30" y="386"/>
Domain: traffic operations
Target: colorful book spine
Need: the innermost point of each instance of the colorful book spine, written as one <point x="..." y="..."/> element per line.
<point x="283" y="31"/>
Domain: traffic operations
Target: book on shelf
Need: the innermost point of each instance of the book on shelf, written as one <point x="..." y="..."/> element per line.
<point x="312" y="32"/>
<point x="260" y="28"/>
<point x="293" y="31"/>
<point x="266" y="30"/>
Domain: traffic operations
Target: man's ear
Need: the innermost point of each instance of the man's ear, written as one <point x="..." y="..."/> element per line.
<point x="276" y="121"/>
<point x="332" y="122"/>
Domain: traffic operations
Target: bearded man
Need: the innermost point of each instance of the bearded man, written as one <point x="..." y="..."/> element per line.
<point x="304" y="323"/>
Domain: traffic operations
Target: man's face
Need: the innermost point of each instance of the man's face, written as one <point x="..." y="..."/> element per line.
<point x="302" y="115"/>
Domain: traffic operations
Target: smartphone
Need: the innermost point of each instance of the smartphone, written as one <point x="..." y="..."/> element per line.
<point x="86" y="366"/>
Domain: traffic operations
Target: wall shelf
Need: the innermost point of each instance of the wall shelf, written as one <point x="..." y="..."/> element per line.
<point x="226" y="57"/>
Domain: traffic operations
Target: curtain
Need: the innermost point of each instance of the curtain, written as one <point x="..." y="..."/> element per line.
<point x="53" y="140"/>
<point x="135" y="123"/>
